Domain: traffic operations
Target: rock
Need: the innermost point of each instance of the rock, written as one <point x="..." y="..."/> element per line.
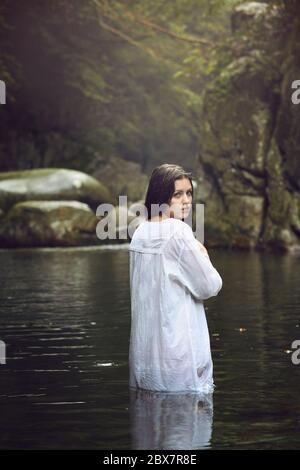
<point x="48" y="223"/>
<point x="282" y="213"/>
<point x="247" y="13"/>
<point x="121" y="177"/>
<point x="118" y="221"/>
<point x="235" y="133"/>
<point x="51" y="184"/>
<point x="62" y="223"/>
<point x="287" y="131"/>
<point x="249" y="167"/>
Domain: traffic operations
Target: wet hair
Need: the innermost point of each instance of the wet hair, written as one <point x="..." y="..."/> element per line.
<point x="162" y="186"/>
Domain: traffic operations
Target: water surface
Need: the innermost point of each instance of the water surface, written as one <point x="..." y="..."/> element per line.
<point x="65" y="319"/>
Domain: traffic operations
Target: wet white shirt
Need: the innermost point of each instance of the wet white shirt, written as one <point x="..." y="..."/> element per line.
<point x="169" y="279"/>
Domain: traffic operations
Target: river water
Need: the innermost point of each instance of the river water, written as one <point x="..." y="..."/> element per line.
<point x="65" y="319"/>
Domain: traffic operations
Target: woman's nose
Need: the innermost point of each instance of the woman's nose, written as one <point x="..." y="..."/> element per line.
<point x="185" y="197"/>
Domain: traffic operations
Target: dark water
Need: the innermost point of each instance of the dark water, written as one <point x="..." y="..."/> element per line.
<point x="65" y="319"/>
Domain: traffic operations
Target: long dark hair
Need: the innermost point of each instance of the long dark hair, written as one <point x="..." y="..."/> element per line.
<point x="162" y="186"/>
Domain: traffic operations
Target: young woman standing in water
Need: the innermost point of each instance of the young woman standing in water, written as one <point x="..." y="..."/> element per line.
<point x="170" y="276"/>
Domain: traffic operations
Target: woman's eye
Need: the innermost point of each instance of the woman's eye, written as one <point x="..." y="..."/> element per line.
<point x="189" y="193"/>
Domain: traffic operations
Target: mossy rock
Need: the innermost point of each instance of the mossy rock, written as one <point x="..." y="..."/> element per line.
<point x="48" y="223"/>
<point x="122" y="178"/>
<point x="51" y="184"/>
<point x="218" y="233"/>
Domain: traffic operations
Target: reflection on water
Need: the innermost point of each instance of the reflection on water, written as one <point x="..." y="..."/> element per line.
<point x="65" y="319"/>
<point x="161" y="420"/>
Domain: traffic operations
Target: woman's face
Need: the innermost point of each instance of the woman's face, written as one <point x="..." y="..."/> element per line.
<point x="181" y="200"/>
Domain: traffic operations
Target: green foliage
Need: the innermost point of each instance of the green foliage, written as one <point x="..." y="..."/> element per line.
<point x="109" y="78"/>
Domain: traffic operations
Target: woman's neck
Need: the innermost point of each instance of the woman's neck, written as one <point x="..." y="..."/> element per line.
<point x="158" y="218"/>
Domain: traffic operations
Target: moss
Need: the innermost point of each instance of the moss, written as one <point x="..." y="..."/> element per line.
<point x="48" y="223"/>
<point x="51" y="184"/>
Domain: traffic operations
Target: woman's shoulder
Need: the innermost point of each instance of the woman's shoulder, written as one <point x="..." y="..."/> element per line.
<point x="181" y="233"/>
<point x="182" y="228"/>
<point x="169" y="228"/>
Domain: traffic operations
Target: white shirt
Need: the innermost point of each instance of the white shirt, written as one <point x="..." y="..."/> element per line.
<point x="169" y="279"/>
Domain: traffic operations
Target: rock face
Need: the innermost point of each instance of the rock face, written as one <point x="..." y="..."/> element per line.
<point x="249" y="167"/>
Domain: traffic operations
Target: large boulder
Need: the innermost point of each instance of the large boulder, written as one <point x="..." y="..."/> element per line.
<point x="51" y="184"/>
<point x="64" y="223"/>
<point x="48" y="223"/>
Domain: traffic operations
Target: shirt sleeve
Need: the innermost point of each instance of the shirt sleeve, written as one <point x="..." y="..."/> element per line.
<point x="194" y="268"/>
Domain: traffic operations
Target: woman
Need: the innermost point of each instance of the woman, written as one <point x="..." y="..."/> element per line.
<point x="170" y="276"/>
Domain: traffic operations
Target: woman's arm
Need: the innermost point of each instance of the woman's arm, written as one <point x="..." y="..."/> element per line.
<point x="202" y="248"/>
<point x="195" y="270"/>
